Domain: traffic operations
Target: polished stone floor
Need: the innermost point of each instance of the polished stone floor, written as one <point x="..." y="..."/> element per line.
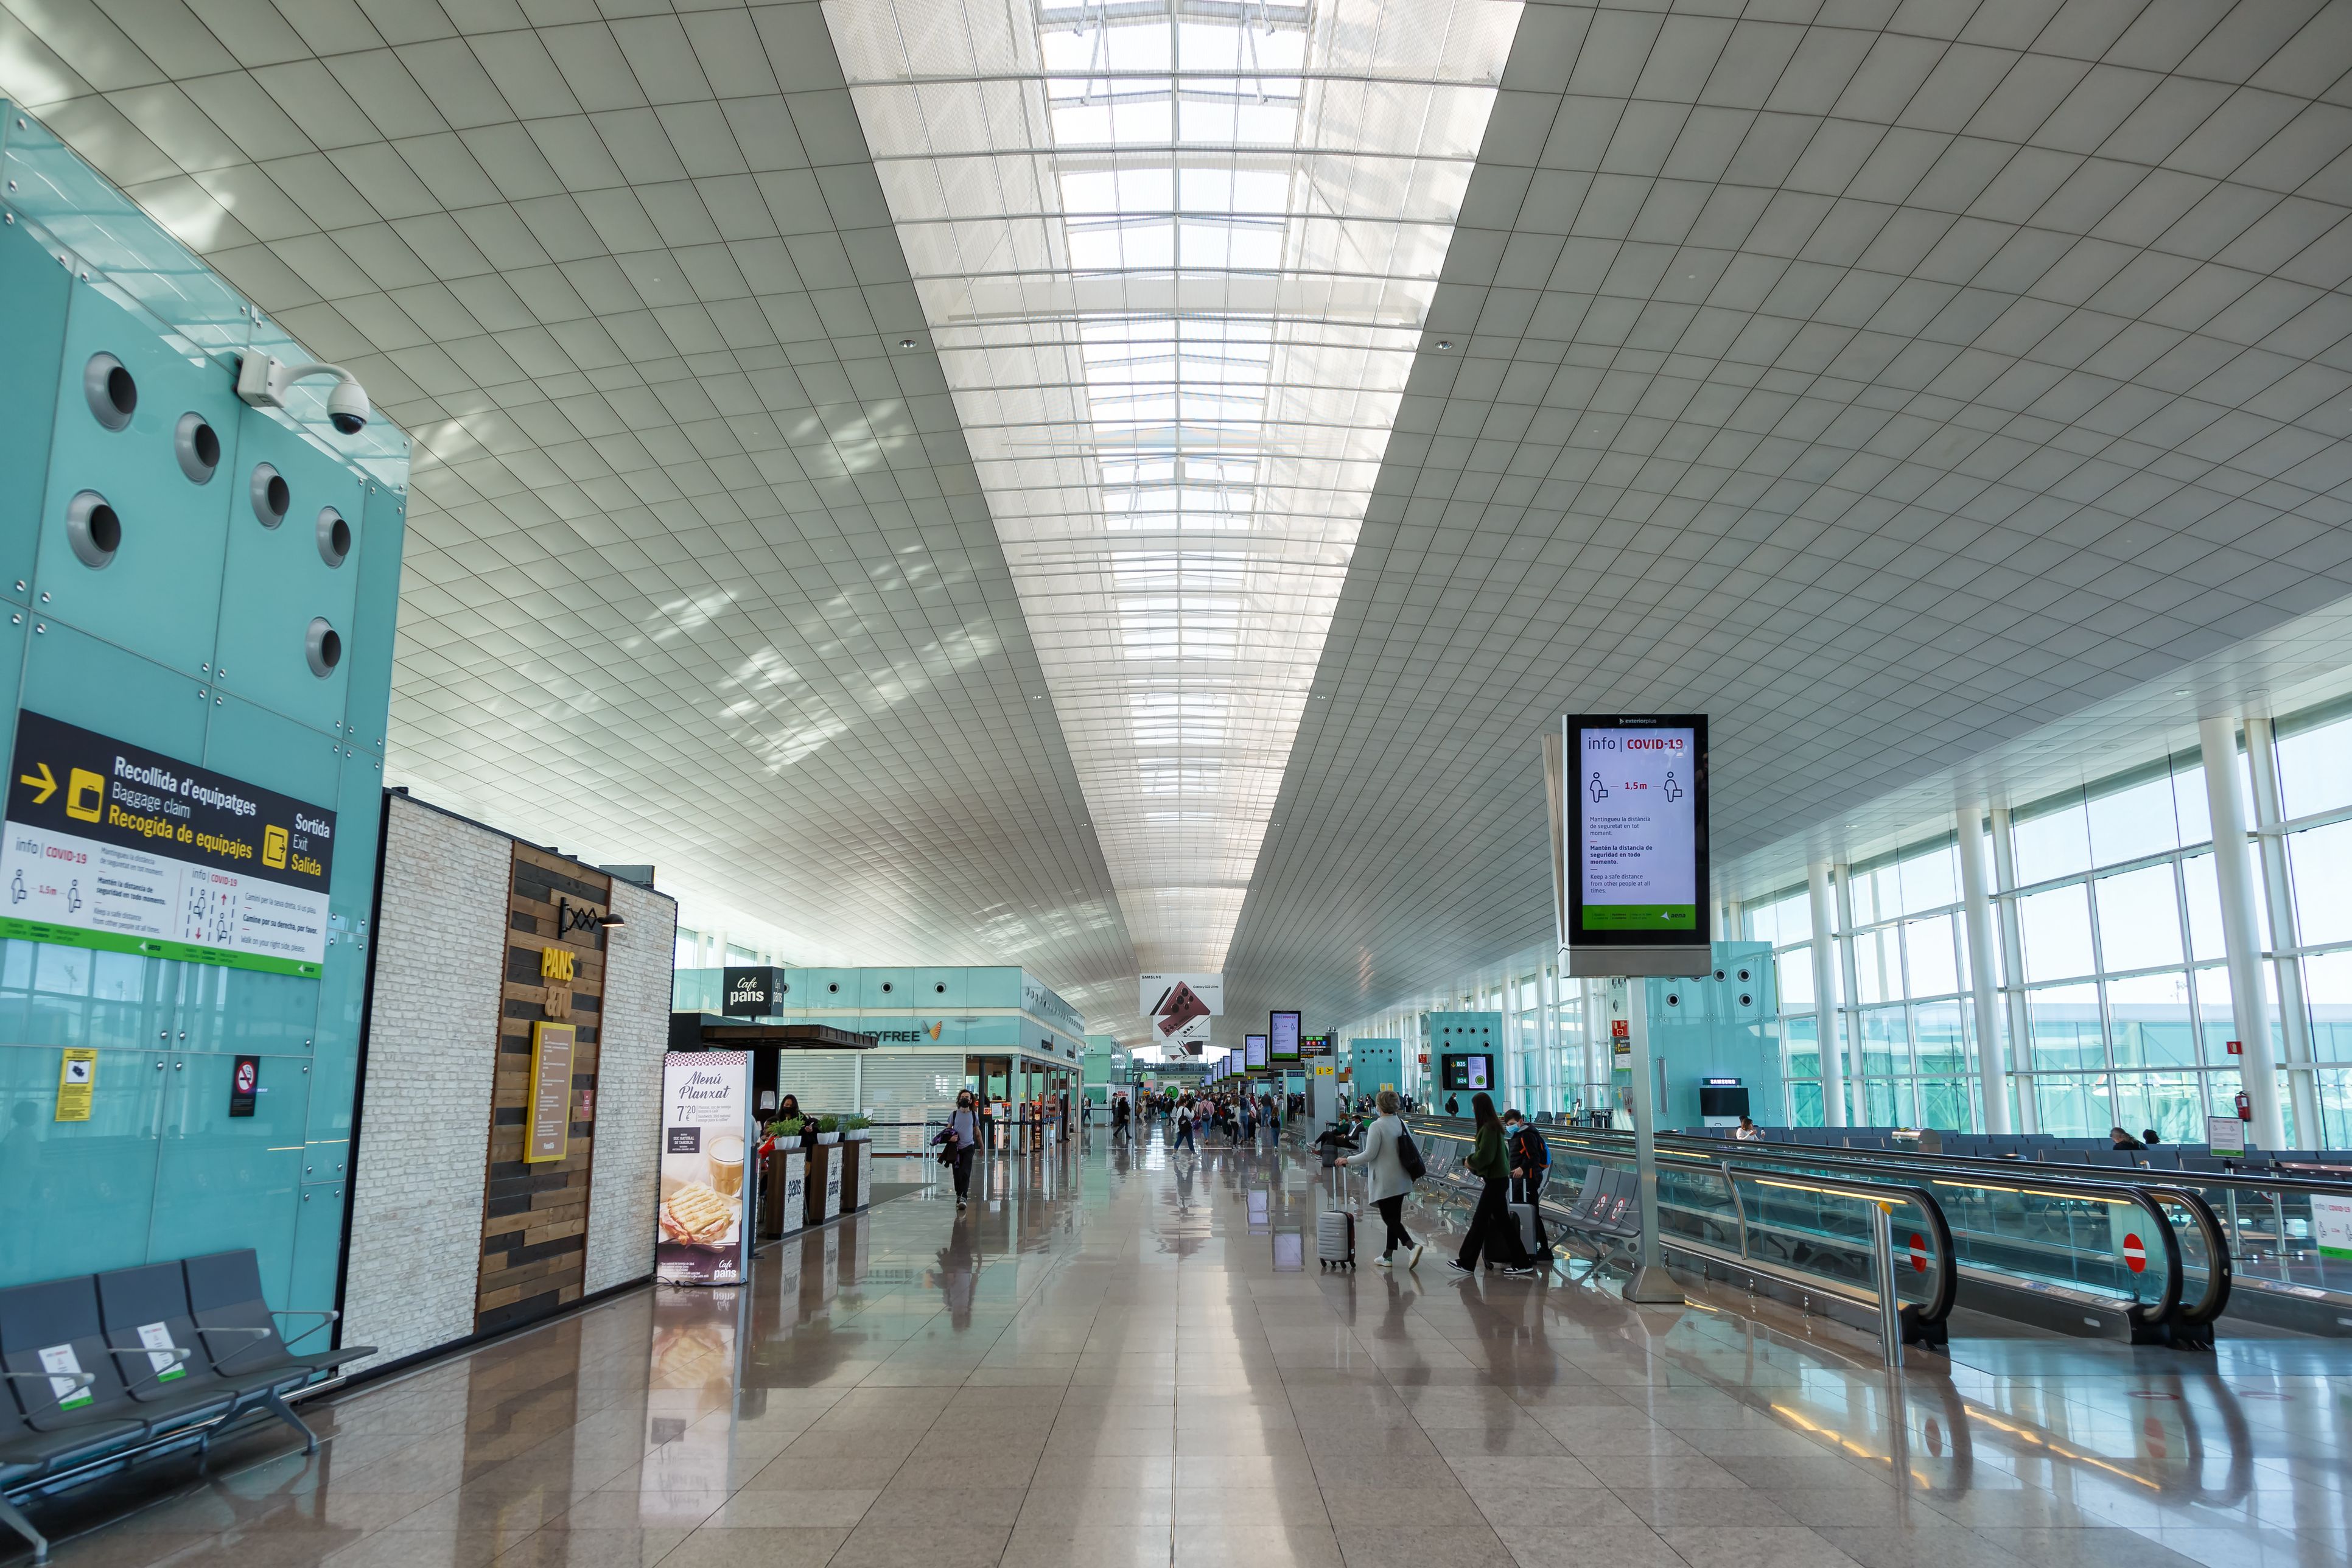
<point x="1118" y="1359"/>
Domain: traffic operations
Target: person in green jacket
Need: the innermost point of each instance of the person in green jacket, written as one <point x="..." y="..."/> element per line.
<point x="1491" y="1228"/>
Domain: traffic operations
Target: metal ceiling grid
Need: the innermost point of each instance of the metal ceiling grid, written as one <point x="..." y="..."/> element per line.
<point x="1891" y="381"/>
<point x="698" y="571"/>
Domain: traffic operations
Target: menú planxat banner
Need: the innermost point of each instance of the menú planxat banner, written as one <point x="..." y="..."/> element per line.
<point x="113" y="847"/>
<point x="705" y="1219"/>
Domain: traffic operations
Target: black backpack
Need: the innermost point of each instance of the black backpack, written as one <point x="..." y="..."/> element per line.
<point x="1408" y="1154"/>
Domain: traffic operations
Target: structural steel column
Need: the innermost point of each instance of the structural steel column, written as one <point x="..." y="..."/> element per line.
<point x="1993" y="1059"/>
<point x="2301" y="1089"/>
<point x="2012" y="970"/>
<point x="2249" y="1006"/>
<point x="1825" y="993"/>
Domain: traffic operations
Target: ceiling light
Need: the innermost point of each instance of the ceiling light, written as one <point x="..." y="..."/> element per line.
<point x="906" y="343"/>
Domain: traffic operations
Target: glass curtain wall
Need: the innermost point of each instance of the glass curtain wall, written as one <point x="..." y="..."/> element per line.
<point x="2124" y="987"/>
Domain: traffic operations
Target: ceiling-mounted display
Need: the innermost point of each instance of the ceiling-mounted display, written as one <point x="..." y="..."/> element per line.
<point x="1635" y="866"/>
<point x="1282" y="1039"/>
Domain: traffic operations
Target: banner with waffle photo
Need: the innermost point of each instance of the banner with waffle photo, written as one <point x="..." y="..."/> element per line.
<point x="705" y="1236"/>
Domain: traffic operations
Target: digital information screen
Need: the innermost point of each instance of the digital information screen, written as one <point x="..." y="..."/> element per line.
<point x="1254" y="1051"/>
<point x="1470" y="1074"/>
<point x="1638" y="868"/>
<point x="1282" y="1038"/>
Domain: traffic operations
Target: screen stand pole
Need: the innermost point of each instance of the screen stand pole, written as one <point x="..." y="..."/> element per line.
<point x="1649" y="1284"/>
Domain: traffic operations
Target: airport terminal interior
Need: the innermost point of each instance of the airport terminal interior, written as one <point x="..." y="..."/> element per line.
<point x="1353" y="784"/>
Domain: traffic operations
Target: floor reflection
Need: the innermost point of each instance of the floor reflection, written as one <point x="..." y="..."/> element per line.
<point x="1102" y="1360"/>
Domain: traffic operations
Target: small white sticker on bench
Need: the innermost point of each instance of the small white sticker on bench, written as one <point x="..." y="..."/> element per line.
<point x="161" y="1357"/>
<point x="68" y="1391"/>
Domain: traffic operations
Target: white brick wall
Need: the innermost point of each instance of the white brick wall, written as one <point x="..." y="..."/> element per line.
<point x="631" y="1041"/>
<point x="416" y="1211"/>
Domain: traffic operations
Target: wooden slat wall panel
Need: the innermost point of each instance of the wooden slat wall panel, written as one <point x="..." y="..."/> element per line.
<point x="535" y="1218"/>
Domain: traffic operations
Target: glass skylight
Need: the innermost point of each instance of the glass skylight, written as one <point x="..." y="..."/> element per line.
<point x="1176" y="255"/>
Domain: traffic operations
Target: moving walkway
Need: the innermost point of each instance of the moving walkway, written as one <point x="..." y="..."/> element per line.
<point x="2085" y="1251"/>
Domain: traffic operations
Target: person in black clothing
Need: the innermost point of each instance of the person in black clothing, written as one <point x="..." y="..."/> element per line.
<point x="1530" y="1158"/>
<point x="1453" y="1106"/>
<point x="2119" y="1139"/>
<point x="2148" y="1136"/>
<point x="1492" y="1230"/>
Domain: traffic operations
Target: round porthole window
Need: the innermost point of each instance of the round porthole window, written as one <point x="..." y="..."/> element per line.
<point x="93" y="530"/>
<point x="834" y="985"/>
<point x="1743" y="976"/>
<point x="1673" y="1000"/>
<point x="111" y="390"/>
<point x="941" y="988"/>
<point x="885" y="988"/>
<point x="334" y="536"/>
<point x="1718" y="974"/>
<point x="324" y="646"/>
<point x="1746" y="1000"/>
<point x="197" y="445"/>
<point x="272" y="496"/>
<point x="787" y="985"/>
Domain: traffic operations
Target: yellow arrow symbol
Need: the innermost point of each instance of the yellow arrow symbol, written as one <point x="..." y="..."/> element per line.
<point x="45" y="784"/>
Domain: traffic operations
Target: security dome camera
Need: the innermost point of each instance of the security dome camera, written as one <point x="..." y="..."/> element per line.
<point x="263" y="383"/>
<point x="347" y="408"/>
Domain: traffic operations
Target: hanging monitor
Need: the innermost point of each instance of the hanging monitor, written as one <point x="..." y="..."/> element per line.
<point x="1633" y="858"/>
<point x="1282" y="1039"/>
<point x="1254" y="1052"/>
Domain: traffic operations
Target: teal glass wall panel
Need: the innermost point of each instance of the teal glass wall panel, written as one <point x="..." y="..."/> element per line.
<point x="887" y="988"/>
<point x="278" y="582"/>
<point x="992" y="988"/>
<point x="375" y="607"/>
<point x="84" y="680"/>
<point x="75" y="996"/>
<point x="32" y="339"/>
<point x="253" y="743"/>
<point x="159" y="594"/>
<point x="81" y="1191"/>
<point x="318" y="1260"/>
<point x="225" y="1182"/>
<point x="135" y="649"/>
<point x="941" y="988"/>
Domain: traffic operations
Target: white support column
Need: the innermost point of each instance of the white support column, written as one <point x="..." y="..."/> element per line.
<point x="1826" y="994"/>
<point x="2302" y="1090"/>
<point x="1993" y="1059"/>
<point x="2249" y="1003"/>
<point x="1587" y="1067"/>
<point x="2012" y="968"/>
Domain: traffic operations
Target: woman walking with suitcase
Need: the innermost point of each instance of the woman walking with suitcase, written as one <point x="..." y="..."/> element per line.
<point x="1491" y="1229"/>
<point x="1387" y="1180"/>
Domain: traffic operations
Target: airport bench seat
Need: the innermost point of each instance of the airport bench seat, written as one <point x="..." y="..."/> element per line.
<point x="101" y="1369"/>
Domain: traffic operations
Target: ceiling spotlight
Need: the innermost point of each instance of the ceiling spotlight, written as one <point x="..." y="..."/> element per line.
<point x="906" y="343"/>
<point x="1444" y="344"/>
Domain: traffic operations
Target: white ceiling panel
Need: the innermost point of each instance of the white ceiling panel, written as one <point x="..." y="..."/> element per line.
<point x="699" y="570"/>
<point x="1941" y="397"/>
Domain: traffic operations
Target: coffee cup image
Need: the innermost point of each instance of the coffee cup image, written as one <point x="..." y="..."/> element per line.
<point x="727" y="1164"/>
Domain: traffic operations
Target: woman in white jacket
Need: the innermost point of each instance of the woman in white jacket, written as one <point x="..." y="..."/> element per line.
<point x="1384" y="1173"/>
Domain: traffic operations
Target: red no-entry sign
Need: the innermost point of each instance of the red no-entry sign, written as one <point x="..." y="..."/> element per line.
<point x="2135" y="1255"/>
<point x="1918" y="1253"/>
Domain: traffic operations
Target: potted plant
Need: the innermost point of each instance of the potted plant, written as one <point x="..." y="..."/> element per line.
<point x="828" y="1129"/>
<point x="855" y="1128"/>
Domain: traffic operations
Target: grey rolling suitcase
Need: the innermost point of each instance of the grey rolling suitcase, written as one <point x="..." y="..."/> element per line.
<point x="1335" y="1238"/>
<point x="1524" y="1215"/>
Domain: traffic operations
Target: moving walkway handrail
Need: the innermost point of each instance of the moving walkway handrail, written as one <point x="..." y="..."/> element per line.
<point x="2080" y="1185"/>
<point x="1828" y="1255"/>
<point x="2213" y="1238"/>
<point x="1939" y="1237"/>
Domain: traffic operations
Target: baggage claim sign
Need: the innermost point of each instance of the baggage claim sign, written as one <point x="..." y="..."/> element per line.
<point x="112" y="847"/>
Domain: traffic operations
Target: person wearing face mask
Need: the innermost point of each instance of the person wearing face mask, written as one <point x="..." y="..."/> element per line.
<point x="962" y="1139"/>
